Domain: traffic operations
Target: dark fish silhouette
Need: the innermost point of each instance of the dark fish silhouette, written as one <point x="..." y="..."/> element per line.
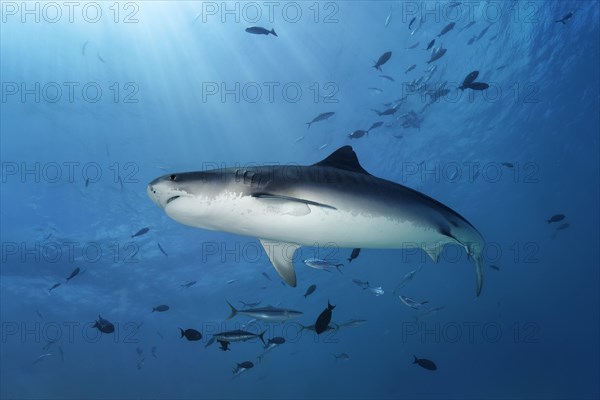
<point x="385" y="57"/>
<point x="87" y="182"/>
<point x="508" y="165"/>
<point x="430" y="44"/>
<point x="565" y="18"/>
<point x="162" y="250"/>
<point x="104" y="326"/>
<point x="492" y="266"/>
<point x="389" y="78"/>
<point x="375" y="125"/>
<point x="556" y="218"/>
<point x="563" y="226"/>
<point x="100" y="58"/>
<point x="39" y="314"/>
<point x="223" y="345"/>
<point x="467" y="26"/>
<point x="425" y="363"/>
<point x="362" y="284"/>
<point x="141" y="232"/>
<point x="266" y="276"/>
<point x="447" y="28"/>
<point x="324" y="319"/>
<point x="414" y="46"/>
<point x="469" y="79"/>
<point x="478" y="86"/>
<point x="188" y="284"/>
<point x="355" y="253"/>
<point x="276" y="340"/>
<point x="436" y="55"/>
<point x="410" y="24"/>
<point x="389" y="111"/>
<point x="190" y="334"/>
<point x="410" y="68"/>
<point x="73" y="274"/>
<point x="320" y="117"/>
<point x="258" y="30"/>
<point x="501" y="67"/>
<point x="311" y="289"/>
<point x="483" y="32"/>
<point x="246" y="364"/>
<point x="54" y="287"/>
<point x="161" y="308"/>
<point x="357" y="134"/>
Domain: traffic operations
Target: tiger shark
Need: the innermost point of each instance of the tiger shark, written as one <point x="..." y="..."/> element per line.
<point x="332" y="201"/>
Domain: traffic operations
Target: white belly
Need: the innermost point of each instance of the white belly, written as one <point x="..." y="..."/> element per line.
<point x="295" y="222"/>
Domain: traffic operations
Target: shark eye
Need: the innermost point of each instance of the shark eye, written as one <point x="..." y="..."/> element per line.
<point x="172" y="177"/>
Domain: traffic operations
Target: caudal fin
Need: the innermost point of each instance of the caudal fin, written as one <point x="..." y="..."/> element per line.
<point x="234" y="311"/>
<point x="273" y="32"/>
<point x="262" y="337"/>
<point x="416" y="360"/>
<point x="182" y="333"/>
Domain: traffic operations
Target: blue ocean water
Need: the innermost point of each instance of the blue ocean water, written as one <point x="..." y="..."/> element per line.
<point x="100" y="98"/>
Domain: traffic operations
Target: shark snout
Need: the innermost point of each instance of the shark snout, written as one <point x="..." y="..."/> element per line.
<point x="164" y="190"/>
<point x="153" y="194"/>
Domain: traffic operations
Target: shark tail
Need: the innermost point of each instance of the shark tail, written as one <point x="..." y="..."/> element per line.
<point x="416" y="361"/>
<point x="273" y="32"/>
<point x="182" y="332"/>
<point x="308" y="123"/>
<point x="234" y="311"/>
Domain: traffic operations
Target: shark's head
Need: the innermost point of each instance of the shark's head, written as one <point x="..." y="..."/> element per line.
<point x="192" y="198"/>
<point x="168" y="188"/>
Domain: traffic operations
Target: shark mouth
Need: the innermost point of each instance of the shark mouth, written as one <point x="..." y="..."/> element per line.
<point x="170" y="199"/>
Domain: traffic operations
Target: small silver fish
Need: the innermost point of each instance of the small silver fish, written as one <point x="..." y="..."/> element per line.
<point x="322" y="265"/>
<point x="416" y="305"/>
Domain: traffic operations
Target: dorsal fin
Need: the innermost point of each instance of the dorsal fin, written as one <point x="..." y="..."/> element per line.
<point x="343" y="158"/>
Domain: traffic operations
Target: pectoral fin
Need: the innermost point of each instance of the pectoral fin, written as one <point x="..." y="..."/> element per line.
<point x="280" y="198"/>
<point x="281" y="255"/>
